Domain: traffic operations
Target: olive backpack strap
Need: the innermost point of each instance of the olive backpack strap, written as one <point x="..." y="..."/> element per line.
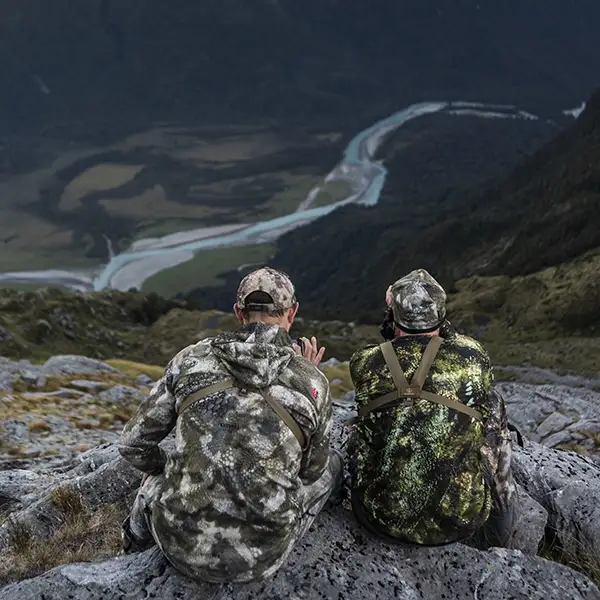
<point x="426" y="361"/>
<point x="414" y="388"/>
<point x="281" y="412"/>
<point x="286" y="417"/>
<point x="203" y="393"/>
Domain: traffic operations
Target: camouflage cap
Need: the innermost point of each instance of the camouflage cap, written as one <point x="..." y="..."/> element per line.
<point x="271" y="281"/>
<point x="418" y="302"/>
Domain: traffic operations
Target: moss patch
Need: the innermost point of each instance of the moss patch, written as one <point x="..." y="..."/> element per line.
<point x="135" y="369"/>
<point x="340" y="380"/>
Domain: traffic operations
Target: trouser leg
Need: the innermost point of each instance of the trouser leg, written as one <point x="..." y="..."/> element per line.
<point x="137" y="527"/>
<point x="327" y="487"/>
<point x="500" y="527"/>
<point x="314" y="497"/>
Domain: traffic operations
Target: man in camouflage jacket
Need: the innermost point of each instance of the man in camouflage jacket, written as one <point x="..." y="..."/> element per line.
<point x="235" y="495"/>
<point x="426" y="473"/>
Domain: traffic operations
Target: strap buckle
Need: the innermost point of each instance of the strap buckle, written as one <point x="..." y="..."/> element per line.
<point x="412" y="391"/>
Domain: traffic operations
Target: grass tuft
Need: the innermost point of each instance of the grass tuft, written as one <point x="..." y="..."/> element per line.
<point x="39" y="426"/>
<point x="82" y="538"/>
<point x="68" y="500"/>
<point x="584" y="558"/>
<point x="344" y="384"/>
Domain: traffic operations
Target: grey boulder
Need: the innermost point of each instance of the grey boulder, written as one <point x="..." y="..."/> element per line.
<point x="555" y="415"/>
<point x="122" y="393"/>
<point x="567" y="485"/>
<point x="71" y="364"/>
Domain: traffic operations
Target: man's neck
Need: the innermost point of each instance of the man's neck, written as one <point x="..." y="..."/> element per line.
<point x="267" y="322"/>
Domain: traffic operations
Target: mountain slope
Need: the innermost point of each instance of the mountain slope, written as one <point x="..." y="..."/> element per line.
<point x="77" y="68"/>
<point x="543" y="213"/>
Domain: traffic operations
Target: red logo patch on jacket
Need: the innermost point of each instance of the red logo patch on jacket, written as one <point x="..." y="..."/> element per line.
<point x="314" y="393"/>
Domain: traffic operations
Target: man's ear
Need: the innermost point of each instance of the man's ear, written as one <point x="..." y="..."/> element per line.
<point x="292" y="311"/>
<point x="238" y="313"/>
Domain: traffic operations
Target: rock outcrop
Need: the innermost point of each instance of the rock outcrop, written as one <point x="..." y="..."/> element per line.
<point x="556" y="416"/>
<point x="336" y="559"/>
<point x="53" y="412"/>
<point x="559" y="493"/>
<point x="567" y="485"/>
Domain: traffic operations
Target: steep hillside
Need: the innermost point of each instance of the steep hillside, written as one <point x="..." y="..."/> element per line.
<point x="519" y="320"/>
<point x="519" y="254"/>
<point x="38" y="324"/>
<point x="545" y="212"/>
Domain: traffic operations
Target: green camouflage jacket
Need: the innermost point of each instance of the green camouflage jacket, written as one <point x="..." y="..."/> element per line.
<point x="231" y="498"/>
<point x="428" y="474"/>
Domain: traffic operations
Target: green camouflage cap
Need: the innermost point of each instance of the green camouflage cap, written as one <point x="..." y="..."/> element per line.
<point x="418" y="302"/>
<point x="271" y="281"/>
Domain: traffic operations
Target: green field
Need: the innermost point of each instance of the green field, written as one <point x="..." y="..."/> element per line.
<point x="205" y="269"/>
<point x="152" y="183"/>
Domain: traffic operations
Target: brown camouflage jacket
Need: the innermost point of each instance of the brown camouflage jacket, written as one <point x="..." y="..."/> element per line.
<point x="428" y="474"/>
<point x="231" y="498"/>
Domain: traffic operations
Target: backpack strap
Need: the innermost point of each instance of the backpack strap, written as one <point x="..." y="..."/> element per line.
<point x="426" y="360"/>
<point x="286" y="417"/>
<point x="413" y="390"/>
<point x="203" y="393"/>
<point x="282" y="412"/>
<point x="391" y="360"/>
<point x="454" y="404"/>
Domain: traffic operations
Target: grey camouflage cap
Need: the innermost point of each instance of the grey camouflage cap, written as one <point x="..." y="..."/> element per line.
<point x="271" y="281"/>
<point x="418" y="302"/>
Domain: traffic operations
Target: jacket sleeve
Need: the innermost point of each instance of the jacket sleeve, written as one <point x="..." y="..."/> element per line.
<point x="153" y="421"/>
<point x="496" y="453"/>
<point x="314" y="461"/>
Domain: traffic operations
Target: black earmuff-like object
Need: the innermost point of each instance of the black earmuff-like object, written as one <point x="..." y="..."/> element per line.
<point x="388" y="327"/>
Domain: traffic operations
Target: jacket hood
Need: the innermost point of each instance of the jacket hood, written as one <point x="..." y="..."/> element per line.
<point x="255" y="354"/>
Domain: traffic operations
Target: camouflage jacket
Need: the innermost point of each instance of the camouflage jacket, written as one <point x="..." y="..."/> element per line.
<point x="231" y="497"/>
<point x="428" y="474"/>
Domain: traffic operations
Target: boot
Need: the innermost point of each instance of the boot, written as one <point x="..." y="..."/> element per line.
<point x="130" y="543"/>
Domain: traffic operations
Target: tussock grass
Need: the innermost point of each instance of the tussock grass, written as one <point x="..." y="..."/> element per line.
<point x="591" y="435"/>
<point x="82" y="538"/>
<point x="582" y="558"/>
<point x="74" y="406"/>
<point x="577" y="448"/>
<point x="68" y="500"/>
<point x="39" y="426"/>
<point x="72" y="409"/>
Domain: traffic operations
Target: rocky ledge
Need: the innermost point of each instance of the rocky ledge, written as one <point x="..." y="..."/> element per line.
<point x="337" y="558"/>
<point x="52" y="412"/>
<point x="76" y="504"/>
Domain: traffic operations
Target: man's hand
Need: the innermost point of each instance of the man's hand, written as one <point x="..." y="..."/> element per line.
<point x="310" y="350"/>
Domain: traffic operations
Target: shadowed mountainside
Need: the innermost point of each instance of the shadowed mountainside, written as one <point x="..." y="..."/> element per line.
<point x="87" y="69"/>
<point x="544" y="213"/>
<point x="518" y="253"/>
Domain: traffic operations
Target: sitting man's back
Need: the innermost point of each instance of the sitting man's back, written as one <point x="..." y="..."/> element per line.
<point x="432" y="462"/>
<point x="238" y="491"/>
